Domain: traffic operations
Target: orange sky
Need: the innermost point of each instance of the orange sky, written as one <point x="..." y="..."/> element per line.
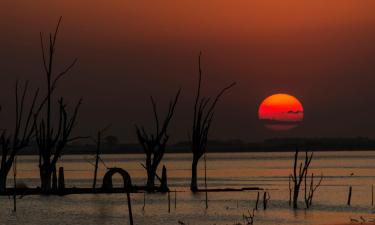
<point x="186" y="19"/>
<point x="129" y="49"/>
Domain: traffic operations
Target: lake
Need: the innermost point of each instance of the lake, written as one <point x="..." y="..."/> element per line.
<point x="265" y="170"/>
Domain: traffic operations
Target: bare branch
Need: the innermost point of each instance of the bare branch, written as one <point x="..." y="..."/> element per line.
<point x="155" y="114"/>
<point x="61" y="74"/>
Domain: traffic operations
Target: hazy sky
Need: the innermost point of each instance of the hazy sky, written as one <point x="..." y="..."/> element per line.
<point x="322" y="52"/>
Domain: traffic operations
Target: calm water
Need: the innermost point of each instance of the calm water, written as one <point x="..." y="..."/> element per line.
<point x="265" y="170"/>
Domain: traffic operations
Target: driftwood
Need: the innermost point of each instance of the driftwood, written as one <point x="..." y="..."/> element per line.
<point x="204" y="110"/>
<point x="107" y="179"/>
<point x="230" y="189"/>
<point x="24" y="191"/>
<point x="128" y="187"/>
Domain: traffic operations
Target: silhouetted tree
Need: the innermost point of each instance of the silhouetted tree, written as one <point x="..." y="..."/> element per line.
<point x="98" y="142"/>
<point x="299" y="174"/>
<point x="52" y="139"/>
<point x="12" y="143"/>
<point x="154" y="144"/>
<point x="311" y="188"/>
<point x="204" y="110"/>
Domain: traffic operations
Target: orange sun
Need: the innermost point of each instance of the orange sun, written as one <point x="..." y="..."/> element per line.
<point x="281" y="112"/>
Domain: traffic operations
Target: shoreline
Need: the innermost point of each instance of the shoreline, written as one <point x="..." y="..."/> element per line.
<point x="132" y="152"/>
<point x="136" y="189"/>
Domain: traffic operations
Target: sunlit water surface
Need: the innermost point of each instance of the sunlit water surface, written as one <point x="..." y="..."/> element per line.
<point x="265" y="170"/>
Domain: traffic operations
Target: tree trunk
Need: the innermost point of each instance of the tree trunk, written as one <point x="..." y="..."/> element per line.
<point x="151" y="179"/>
<point x="3" y="181"/>
<point x="4" y="171"/>
<point x="96" y="160"/>
<point x="295" y="196"/>
<point x="6" y="165"/>
<point x="54" y="179"/>
<point x="194" y="184"/>
<point x="61" y="183"/>
<point x="164" y="181"/>
<point x="45" y="179"/>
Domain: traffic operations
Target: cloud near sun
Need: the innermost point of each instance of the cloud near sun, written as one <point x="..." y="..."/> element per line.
<point x="281" y="112"/>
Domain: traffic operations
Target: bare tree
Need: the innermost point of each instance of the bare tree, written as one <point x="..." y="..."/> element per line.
<point x="298" y="177"/>
<point x="52" y="139"/>
<point x="249" y="219"/>
<point x="309" y="195"/>
<point x="204" y="110"/>
<point x="154" y="144"/>
<point x="12" y="143"/>
<point x="98" y="142"/>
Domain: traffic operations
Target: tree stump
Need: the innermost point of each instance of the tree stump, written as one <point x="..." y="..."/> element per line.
<point x="164" y="182"/>
<point x="61" y="183"/>
<point x="54" y="180"/>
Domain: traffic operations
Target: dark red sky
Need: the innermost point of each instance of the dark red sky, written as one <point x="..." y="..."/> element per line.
<point x="322" y="52"/>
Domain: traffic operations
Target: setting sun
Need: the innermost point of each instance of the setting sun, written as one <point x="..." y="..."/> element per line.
<point x="281" y="112"/>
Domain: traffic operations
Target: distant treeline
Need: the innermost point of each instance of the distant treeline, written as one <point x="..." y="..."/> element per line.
<point x="275" y="144"/>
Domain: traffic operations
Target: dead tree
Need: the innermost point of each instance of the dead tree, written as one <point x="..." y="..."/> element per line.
<point x="298" y="174"/>
<point x="349" y="195"/>
<point x="52" y="137"/>
<point x="12" y="143"/>
<point x="266" y="198"/>
<point x="154" y="144"/>
<point x="257" y="201"/>
<point x="309" y="195"/>
<point x="98" y="142"/>
<point x="372" y="195"/>
<point x="290" y="190"/>
<point x="204" y="110"/>
<point x="249" y="219"/>
<point x="15" y="184"/>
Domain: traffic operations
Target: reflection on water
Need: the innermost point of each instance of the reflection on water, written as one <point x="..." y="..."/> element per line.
<point x="265" y="170"/>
